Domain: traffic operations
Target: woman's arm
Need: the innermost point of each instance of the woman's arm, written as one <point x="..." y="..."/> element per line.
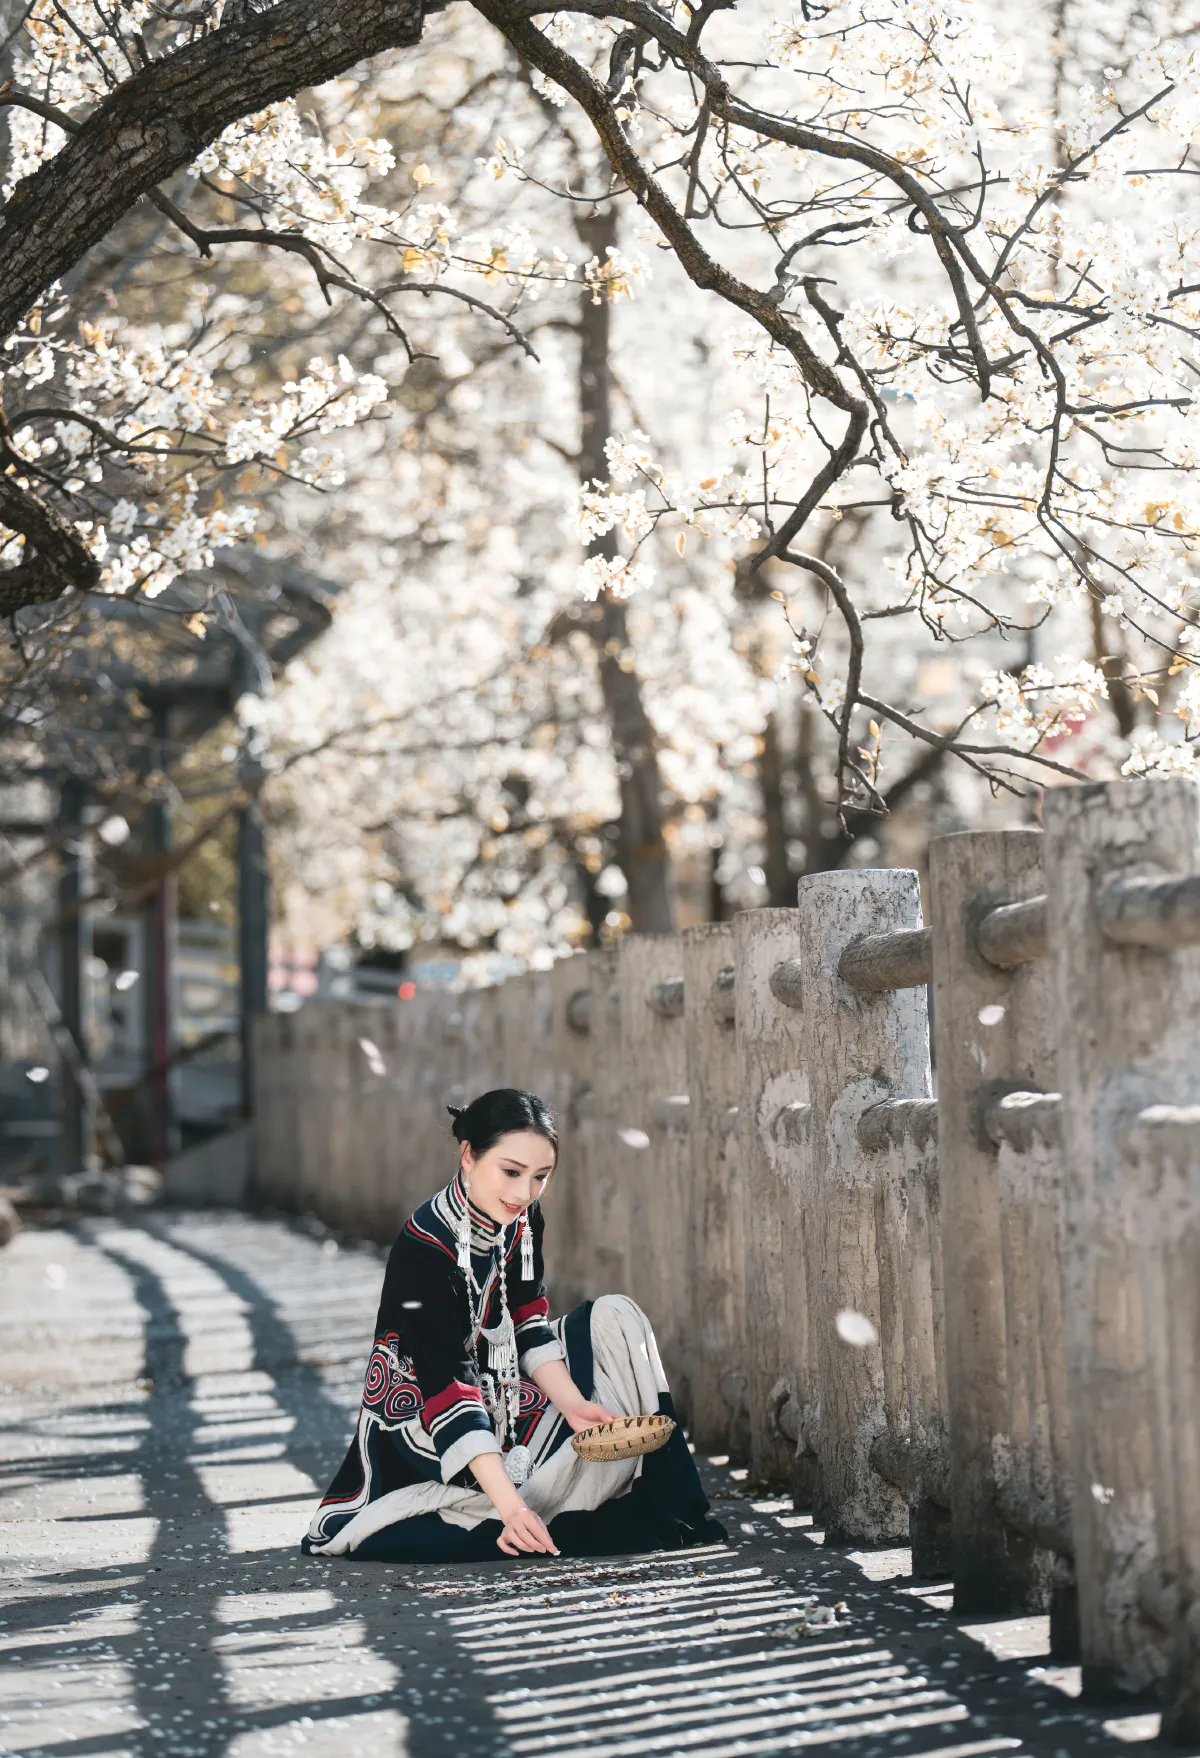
<point x="523" y="1529"/>
<point x="553" y="1379"/>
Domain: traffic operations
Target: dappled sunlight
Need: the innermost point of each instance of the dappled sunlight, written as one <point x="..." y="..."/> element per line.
<point x="156" y="1601"/>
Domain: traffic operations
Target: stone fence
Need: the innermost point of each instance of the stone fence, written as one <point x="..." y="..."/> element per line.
<point x="969" y="1321"/>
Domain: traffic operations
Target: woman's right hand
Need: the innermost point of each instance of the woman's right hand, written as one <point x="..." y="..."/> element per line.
<point x="525" y="1531"/>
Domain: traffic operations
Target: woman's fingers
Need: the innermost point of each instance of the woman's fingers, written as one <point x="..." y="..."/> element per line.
<point x="537" y="1537"/>
<point x="526" y="1532"/>
<point x="529" y="1532"/>
<point x="588" y="1414"/>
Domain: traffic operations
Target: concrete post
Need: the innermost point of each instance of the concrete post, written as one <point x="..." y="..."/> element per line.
<point x="1034" y="1487"/>
<point x="1125" y="1018"/>
<point x="717" y="1292"/>
<point x="859" y="1048"/>
<point x="514" y="998"/>
<point x="370" y="1072"/>
<point x="433" y="1153"/>
<point x="344" y="1062"/>
<point x="309" y="1080"/>
<point x="608" y="1183"/>
<point x="386" y="1126"/>
<point x="568" y="1239"/>
<point x="772" y="1092"/>
<point x="652" y="1140"/>
<point x="479" y="1015"/>
<point x="912" y="1453"/>
<point x="993" y="1037"/>
<point x="1162" y="1149"/>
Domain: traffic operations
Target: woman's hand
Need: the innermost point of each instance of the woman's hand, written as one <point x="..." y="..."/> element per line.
<point x="553" y="1379"/>
<point x="524" y="1531"/>
<point x="586" y="1415"/>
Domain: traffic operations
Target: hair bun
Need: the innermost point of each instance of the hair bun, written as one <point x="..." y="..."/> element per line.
<point x="502" y="1112"/>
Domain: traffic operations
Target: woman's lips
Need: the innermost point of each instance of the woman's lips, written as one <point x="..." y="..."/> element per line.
<point x="512" y="1208"/>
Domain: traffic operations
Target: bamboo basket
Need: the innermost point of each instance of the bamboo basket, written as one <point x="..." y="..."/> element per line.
<point x="625" y="1438"/>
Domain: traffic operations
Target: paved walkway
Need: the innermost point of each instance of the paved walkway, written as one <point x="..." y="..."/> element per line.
<point x="173" y="1394"/>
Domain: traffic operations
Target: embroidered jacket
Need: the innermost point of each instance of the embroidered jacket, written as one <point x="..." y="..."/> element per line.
<point x="423" y="1363"/>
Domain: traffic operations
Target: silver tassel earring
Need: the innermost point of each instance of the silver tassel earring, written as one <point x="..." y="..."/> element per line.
<point x="527" y="1248"/>
<point x="464" y="1229"/>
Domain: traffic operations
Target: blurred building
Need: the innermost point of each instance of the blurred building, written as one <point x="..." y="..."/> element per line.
<point x="115" y="1015"/>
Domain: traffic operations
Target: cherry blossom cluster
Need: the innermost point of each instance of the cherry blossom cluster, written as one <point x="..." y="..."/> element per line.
<point x="142" y="434"/>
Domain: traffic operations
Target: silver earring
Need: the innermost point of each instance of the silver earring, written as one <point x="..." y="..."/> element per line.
<point x="527" y="1249"/>
<point x="464" y="1227"/>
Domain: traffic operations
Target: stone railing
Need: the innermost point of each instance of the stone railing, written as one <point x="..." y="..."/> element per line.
<point x="969" y="1321"/>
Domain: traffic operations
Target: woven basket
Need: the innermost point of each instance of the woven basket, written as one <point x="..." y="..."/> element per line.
<point x="623" y="1439"/>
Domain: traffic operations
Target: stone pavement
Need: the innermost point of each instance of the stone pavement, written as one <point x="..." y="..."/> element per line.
<point x="175" y="1391"/>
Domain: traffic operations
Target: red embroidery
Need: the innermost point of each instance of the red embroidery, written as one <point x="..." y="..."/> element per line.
<point x="455" y="1393"/>
<point x="535" y="1309"/>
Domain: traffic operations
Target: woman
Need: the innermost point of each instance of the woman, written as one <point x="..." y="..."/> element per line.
<point x="472" y="1392"/>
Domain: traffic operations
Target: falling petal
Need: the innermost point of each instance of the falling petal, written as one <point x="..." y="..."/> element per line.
<point x="856" y="1329"/>
<point x="991" y="1015"/>
<point x="634" y="1138"/>
<point x="375" y="1061"/>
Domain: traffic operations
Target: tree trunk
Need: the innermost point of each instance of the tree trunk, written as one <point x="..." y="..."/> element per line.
<point x="641" y="850"/>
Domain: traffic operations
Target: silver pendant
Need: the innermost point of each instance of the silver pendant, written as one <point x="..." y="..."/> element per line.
<point x="502" y="1345"/>
<point x="518" y="1462"/>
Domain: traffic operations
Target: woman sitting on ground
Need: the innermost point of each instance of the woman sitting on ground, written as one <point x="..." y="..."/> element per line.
<point x="473" y="1393"/>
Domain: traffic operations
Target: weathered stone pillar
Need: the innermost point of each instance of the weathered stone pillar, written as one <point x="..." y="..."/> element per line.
<point x="344" y="1073"/>
<point x="912" y="1452"/>
<point x="369" y="1074"/>
<point x="716" y="1330"/>
<point x="653" y="1140"/>
<point x="772" y="1096"/>
<point x="609" y="1160"/>
<point x="1162" y="1148"/>
<point x="312" y="1079"/>
<point x="1033" y="1478"/>
<point x="861" y="1045"/>
<point x="1126" y="1007"/>
<point x="994" y="1036"/>
<point x="569" y="1270"/>
<point x="527" y="1010"/>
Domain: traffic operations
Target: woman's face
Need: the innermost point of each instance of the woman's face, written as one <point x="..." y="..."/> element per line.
<point x="510" y="1175"/>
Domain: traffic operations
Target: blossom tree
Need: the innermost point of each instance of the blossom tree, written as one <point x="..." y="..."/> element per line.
<point x="941" y="321"/>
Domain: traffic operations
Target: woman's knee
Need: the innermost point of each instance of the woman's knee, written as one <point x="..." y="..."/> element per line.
<point x="619" y="1310"/>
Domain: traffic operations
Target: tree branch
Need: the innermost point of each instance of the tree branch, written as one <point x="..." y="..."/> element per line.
<point x="156" y="122"/>
<point x="56" y="557"/>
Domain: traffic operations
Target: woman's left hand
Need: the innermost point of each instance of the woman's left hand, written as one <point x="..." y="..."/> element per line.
<point x="586" y="1415"/>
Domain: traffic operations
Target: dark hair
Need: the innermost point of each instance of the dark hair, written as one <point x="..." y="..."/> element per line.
<point x="503" y="1111"/>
